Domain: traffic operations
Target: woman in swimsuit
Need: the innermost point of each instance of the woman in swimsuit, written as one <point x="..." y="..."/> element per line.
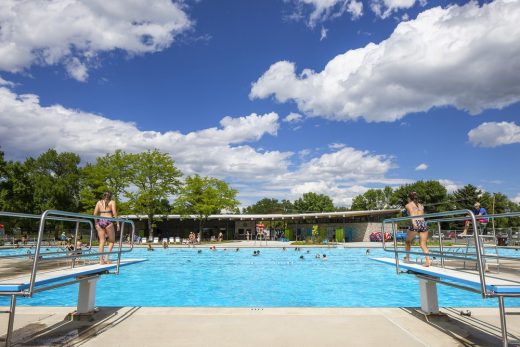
<point x="106" y="207"/>
<point x="414" y="208"/>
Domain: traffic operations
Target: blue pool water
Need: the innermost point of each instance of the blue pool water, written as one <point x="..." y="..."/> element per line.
<point x="276" y="278"/>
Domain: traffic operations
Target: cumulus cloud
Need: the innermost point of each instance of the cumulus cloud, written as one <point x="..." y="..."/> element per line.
<point x="6" y="83"/>
<point x="493" y="134"/>
<point x="75" y="32"/>
<point x="517" y="199"/>
<point x="460" y="56"/>
<point x="28" y="128"/>
<point x="340" y="174"/>
<point x="337" y="145"/>
<point x="293" y="118"/>
<point x="449" y="185"/>
<point x="384" y="8"/>
<point x="421" y="167"/>
<point x="322" y="10"/>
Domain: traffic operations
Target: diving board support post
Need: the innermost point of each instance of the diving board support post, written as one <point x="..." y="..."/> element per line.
<point x="87" y="295"/>
<point x="429" y="298"/>
<point x="503" y="326"/>
<point x="10" y="323"/>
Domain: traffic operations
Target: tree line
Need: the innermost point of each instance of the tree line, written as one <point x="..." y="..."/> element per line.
<point x="433" y="195"/>
<point x="141" y="183"/>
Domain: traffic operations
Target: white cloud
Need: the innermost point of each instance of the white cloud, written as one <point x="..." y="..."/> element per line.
<point x="339" y="174"/>
<point x="384" y="8"/>
<point x="322" y="10"/>
<point x="517" y="199"/>
<point x="449" y="185"/>
<point x="28" y="129"/>
<point x="6" y="83"/>
<point x="458" y="56"/>
<point x="293" y="118"/>
<point x="75" y="32"/>
<point x="336" y="145"/>
<point x="494" y="134"/>
<point x="421" y="167"/>
<point x="323" y="34"/>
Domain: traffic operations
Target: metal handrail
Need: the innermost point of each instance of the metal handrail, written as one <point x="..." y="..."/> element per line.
<point x="478" y="246"/>
<point x="55" y="215"/>
<point x="479" y="256"/>
<point x="49" y="214"/>
<point x="56" y="218"/>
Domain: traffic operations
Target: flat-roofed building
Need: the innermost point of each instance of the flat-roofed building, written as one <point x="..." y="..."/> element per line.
<point x="333" y="226"/>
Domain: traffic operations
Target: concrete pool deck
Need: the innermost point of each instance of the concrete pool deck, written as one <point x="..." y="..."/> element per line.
<point x="169" y="326"/>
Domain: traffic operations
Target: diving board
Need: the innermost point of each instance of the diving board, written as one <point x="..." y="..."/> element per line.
<point x="493" y="284"/>
<point x="19" y="283"/>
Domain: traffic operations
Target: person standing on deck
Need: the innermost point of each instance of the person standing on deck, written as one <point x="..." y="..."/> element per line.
<point x="106" y="207"/>
<point x="414" y="208"/>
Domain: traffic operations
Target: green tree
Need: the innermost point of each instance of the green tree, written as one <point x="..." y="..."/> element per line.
<point x="268" y="206"/>
<point x="432" y="195"/>
<point x="110" y="173"/>
<point x="55" y="180"/>
<point x="154" y="178"/>
<point x="465" y="197"/>
<point x="203" y="196"/>
<point x="312" y="202"/>
<point x="16" y="188"/>
<point x="374" y="199"/>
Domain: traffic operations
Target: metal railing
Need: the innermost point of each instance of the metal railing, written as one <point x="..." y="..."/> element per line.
<point x="73" y="254"/>
<point x="442" y="253"/>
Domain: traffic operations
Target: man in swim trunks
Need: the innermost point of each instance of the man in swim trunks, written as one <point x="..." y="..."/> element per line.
<point x="106" y="207"/>
<point x="419" y="226"/>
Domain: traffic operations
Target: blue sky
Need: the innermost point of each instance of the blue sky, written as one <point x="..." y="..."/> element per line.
<point x="276" y="97"/>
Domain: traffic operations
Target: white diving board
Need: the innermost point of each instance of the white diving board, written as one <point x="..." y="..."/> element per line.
<point x="17" y="284"/>
<point x="494" y="284"/>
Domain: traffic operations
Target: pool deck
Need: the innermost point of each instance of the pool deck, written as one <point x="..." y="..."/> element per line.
<point x="164" y="326"/>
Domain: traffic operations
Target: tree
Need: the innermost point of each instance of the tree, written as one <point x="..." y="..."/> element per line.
<point x="110" y="173"/>
<point x="16" y="188"/>
<point x="55" y="179"/>
<point x="374" y="199"/>
<point x="465" y="197"/>
<point x="269" y="206"/>
<point x="203" y="196"/>
<point x="155" y="179"/>
<point x="312" y="202"/>
<point x="432" y="195"/>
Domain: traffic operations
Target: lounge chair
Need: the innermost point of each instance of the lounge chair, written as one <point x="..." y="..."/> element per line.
<point x="164" y="240"/>
<point x="155" y="240"/>
<point x="177" y="240"/>
<point x="171" y="240"/>
<point x="144" y="240"/>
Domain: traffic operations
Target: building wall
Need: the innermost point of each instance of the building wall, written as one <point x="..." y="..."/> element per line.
<point x="360" y="231"/>
<point x="237" y="229"/>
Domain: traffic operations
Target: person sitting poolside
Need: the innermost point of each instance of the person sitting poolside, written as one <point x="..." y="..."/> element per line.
<point x="150" y="248"/>
<point x="482" y="222"/>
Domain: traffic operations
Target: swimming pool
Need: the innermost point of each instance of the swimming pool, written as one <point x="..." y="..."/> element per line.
<point x="275" y="278"/>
